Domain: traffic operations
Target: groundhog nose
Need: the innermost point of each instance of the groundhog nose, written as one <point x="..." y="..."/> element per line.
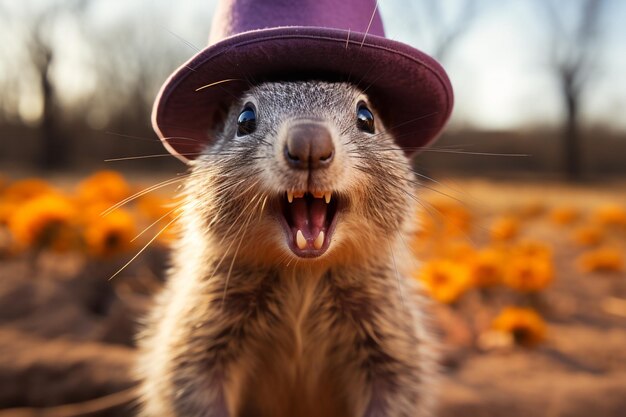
<point x="309" y="146"/>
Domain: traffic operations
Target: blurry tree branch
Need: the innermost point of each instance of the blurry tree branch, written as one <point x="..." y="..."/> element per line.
<point x="572" y="54"/>
<point x="121" y="59"/>
<point x="54" y="147"/>
<point x="39" y="46"/>
<point x="129" y="67"/>
<point x="443" y="29"/>
<point x="447" y="34"/>
<point x="130" y="62"/>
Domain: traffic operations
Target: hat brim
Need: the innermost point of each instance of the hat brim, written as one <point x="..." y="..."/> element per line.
<point x="408" y="88"/>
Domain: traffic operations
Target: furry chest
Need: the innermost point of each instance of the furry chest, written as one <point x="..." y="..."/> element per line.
<point x="303" y="362"/>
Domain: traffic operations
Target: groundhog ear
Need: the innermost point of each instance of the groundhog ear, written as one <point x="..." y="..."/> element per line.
<point x="187" y="143"/>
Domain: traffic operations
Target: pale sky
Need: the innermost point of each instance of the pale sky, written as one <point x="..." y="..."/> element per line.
<point x="499" y="67"/>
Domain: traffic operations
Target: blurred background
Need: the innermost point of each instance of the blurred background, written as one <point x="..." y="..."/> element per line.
<point x="536" y="77"/>
<point x="524" y="199"/>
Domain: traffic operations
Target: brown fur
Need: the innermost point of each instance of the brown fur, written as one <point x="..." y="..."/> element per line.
<point x="244" y="328"/>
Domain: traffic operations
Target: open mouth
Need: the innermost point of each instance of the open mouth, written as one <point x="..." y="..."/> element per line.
<point x="309" y="221"/>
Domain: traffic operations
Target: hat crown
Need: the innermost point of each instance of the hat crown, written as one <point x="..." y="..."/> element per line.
<point x="233" y="17"/>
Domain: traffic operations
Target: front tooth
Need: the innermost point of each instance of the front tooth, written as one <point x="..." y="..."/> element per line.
<point x="318" y="194"/>
<point x="319" y="240"/>
<point x="290" y="196"/>
<point x="327" y="197"/>
<point x="298" y="194"/>
<point x="300" y="240"/>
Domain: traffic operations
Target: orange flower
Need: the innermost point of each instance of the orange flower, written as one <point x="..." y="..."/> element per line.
<point x="26" y="189"/>
<point x="110" y="235"/>
<point x="455" y="220"/>
<point x="457" y="251"/>
<point x="103" y="187"/>
<point x="164" y="210"/>
<point x="529" y="274"/>
<point x="606" y="259"/>
<point x="7" y="209"/>
<point x="532" y="248"/>
<point x="588" y="235"/>
<point x="505" y="228"/>
<point x="523" y="325"/>
<point x="46" y="221"/>
<point x="486" y="267"/>
<point x="611" y="215"/>
<point x="564" y="215"/>
<point x="444" y="280"/>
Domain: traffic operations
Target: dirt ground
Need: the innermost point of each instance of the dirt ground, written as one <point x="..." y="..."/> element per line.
<point x="66" y="331"/>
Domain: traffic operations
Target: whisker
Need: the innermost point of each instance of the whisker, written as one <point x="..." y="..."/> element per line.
<point x="420" y="184"/>
<point x="143" y="138"/>
<point x="180" y="139"/>
<point x="419" y="201"/>
<point x="145" y="246"/>
<point x="217" y="83"/>
<point x="263" y="207"/>
<point x="425" y="149"/>
<point x="436" y="214"/>
<point x="440" y="149"/>
<point x="402" y="165"/>
<point x="241" y="213"/>
<point x="158" y="155"/>
<point x="144" y="192"/>
<point x="232" y="263"/>
<point x="157" y="221"/>
<point x="227" y="251"/>
<point x="456" y="190"/>
<point x="406" y="122"/>
<point x="369" y="25"/>
<point x="180" y="38"/>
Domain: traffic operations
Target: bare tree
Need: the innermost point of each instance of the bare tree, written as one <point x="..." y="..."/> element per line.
<point x="439" y="28"/>
<point x="37" y="39"/>
<point x="448" y="33"/>
<point x="130" y="57"/>
<point x="130" y="63"/>
<point x="54" y="146"/>
<point x="572" y="54"/>
<point x="123" y="59"/>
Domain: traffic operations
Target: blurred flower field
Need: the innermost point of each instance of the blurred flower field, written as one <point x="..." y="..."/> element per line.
<point x="507" y="267"/>
<point x="517" y="275"/>
<point x="36" y="216"/>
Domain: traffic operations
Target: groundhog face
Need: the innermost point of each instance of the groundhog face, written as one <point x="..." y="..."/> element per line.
<point x="303" y="172"/>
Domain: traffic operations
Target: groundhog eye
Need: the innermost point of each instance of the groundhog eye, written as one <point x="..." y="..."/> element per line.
<point x="364" y="118"/>
<point x="246" y="122"/>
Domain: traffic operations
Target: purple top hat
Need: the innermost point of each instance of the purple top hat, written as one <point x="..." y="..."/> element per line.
<point x="253" y="41"/>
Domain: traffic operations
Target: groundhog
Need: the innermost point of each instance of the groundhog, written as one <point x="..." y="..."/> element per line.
<point x="290" y="291"/>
